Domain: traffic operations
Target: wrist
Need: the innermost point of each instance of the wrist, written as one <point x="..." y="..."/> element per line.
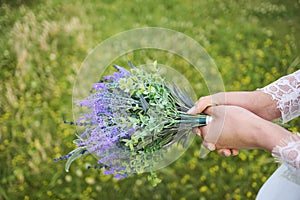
<point x="270" y="135"/>
<point x="264" y="105"/>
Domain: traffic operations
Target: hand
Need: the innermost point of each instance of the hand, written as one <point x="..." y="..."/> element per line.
<point x="234" y="127"/>
<point x="257" y="102"/>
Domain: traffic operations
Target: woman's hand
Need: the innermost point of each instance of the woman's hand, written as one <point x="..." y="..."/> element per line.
<point x="234" y="127"/>
<point x="256" y="101"/>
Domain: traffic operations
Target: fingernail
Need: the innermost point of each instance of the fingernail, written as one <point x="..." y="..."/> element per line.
<point x="198" y="132"/>
<point x="226" y="153"/>
<point x="192" y="110"/>
<point x="235" y="153"/>
<point x="211" y="147"/>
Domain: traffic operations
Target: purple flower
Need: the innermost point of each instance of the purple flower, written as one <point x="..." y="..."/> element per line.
<point x="121" y="121"/>
<point x="115" y="77"/>
<point x="119" y="176"/>
<point x="123" y="71"/>
<point x="99" y="86"/>
<point x="105" y="120"/>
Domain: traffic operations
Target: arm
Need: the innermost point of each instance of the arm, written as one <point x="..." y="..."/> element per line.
<point x="286" y="93"/>
<point x="237" y="128"/>
<point x="257" y="102"/>
<point x="279" y="99"/>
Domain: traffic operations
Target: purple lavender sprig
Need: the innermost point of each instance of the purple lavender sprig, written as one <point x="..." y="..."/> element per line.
<point x="131" y="116"/>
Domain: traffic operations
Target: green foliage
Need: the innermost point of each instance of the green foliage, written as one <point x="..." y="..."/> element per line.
<point x="42" y="45"/>
<point x="142" y="104"/>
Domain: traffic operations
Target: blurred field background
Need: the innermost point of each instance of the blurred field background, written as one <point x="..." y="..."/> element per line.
<point x="42" y="45"/>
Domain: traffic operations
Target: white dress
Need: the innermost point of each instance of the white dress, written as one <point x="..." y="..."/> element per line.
<point x="285" y="182"/>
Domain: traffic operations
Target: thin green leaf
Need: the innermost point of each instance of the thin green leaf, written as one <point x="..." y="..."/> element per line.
<point x="80" y="151"/>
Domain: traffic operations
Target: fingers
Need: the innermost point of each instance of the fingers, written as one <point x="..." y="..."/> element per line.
<point x="197" y="131"/>
<point x="209" y="140"/>
<point x="228" y="152"/>
<point x="204" y="102"/>
<point x="209" y="109"/>
<point x="209" y="145"/>
<point x="212" y="131"/>
<point x="206" y="105"/>
<point x="224" y="152"/>
<point x="212" y="147"/>
<point x="201" y="105"/>
<point x="235" y="152"/>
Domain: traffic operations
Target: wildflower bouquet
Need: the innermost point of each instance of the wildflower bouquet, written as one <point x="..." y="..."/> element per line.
<point x="133" y="118"/>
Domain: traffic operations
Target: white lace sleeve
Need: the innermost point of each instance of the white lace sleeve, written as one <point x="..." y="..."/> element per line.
<point x="288" y="152"/>
<point x="286" y="92"/>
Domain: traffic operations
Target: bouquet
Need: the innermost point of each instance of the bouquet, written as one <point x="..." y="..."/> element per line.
<point x="133" y="117"/>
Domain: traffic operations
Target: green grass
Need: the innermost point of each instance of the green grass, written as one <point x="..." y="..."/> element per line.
<point x="42" y="45"/>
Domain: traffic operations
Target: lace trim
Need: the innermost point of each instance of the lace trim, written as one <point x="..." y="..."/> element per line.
<point x="286" y="91"/>
<point x="288" y="153"/>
